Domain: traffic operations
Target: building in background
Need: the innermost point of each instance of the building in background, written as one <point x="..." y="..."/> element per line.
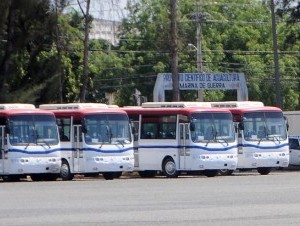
<point x="105" y="29"/>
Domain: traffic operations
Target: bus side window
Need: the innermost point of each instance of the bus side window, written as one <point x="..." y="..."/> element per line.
<point x="148" y="131"/>
<point x="170" y="131"/>
<point x="294" y="143"/>
<point x="64" y="126"/>
<point x="63" y="136"/>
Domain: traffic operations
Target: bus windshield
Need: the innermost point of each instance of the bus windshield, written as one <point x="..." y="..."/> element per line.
<point x="33" y="129"/>
<point x="217" y="127"/>
<point x="264" y="126"/>
<point x="107" y="128"/>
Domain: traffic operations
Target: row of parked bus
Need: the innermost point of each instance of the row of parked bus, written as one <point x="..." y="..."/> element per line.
<point x="62" y="140"/>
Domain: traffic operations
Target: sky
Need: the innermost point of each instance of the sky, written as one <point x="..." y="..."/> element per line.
<point x="105" y="9"/>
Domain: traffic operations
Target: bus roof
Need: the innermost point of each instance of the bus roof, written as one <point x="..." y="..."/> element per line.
<point x="254" y="109"/>
<point x="220" y="104"/>
<point x="80" y="113"/>
<point x="10" y="112"/>
<point x="164" y="111"/>
<point x="175" y="104"/>
<point x="234" y="104"/>
<point x="16" y="106"/>
<point x="74" y="106"/>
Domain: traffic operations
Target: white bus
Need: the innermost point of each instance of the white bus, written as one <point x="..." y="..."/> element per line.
<point x="262" y="135"/>
<point x="175" y="137"/>
<point x="95" y="138"/>
<point x="29" y="143"/>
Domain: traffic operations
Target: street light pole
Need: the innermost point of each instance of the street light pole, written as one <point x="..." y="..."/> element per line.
<point x="199" y="66"/>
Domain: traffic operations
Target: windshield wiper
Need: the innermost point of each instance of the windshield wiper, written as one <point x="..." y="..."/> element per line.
<point x="275" y="137"/>
<point x="224" y="141"/>
<point x="45" y="142"/>
<point x="38" y="143"/>
<point x="27" y="145"/>
<point x="37" y="139"/>
<point x="120" y="142"/>
<point x="101" y="144"/>
<point x="211" y="135"/>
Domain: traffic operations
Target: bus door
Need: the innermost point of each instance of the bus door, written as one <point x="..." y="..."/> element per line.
<point x="77" y="154"/>
<point x="136" y="143"/>
<point x="2" y="154"/>
<point x="184" y="151"/>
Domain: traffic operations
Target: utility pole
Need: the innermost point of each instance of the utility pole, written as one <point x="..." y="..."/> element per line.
<point x="199" y="18"/>
<point x="174" y="50"/>
<point x="59" y="52"/>
<point x="87" y="22"/>
<point x="276" y="60"/>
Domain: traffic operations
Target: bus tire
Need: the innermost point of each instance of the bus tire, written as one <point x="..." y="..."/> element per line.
<point x="225" y="172"/>
<point x="65" y="172"/>
<point x="11" y="178"/>
<point x="36" y="177"/>
<point x="169" y="168"/>
<point x="108" y="175"/>
<point x="118" y="174"/>
<point x="147" y="173"/>
<point x="210" y="173"/>
<point x="264" y="170"/>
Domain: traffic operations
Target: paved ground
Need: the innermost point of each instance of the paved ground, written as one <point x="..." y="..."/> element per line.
<point x="245" y="198"/>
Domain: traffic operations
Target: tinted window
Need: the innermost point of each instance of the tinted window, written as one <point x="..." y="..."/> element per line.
<point x="294" y="143"/>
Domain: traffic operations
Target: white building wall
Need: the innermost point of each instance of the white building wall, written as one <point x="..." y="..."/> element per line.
<point x="105" y="29"/>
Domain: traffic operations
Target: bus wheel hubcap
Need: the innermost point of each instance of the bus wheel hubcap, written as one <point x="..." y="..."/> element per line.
<point x="170" y="168"/>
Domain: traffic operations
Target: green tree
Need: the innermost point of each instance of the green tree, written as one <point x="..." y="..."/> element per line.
<point x="28" y="31"/>
<point x="236" y="37"/>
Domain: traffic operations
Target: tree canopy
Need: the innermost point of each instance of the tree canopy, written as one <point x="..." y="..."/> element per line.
<point x="42" y="50"/>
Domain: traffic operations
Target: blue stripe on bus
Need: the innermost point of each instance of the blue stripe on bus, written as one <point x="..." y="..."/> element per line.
<point x="34" y="152"/>
<point x="68" y="149"/>
<point x="264" y="147"/>
<point x="108" y="151"/>
<point x="191" y="147"/>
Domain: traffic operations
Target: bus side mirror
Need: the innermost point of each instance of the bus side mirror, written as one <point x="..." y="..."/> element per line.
<point x="133" y="129"/>
<point x="192" y="127"/>
<point x="7" y="129"/>
<point x="241" y="126"/>
<point x="286" y="123"/>
<point x="83" y="127"/>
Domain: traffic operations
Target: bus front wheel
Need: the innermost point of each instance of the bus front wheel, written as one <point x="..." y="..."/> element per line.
<point x="169" y="168"/>
<point x="210" y="173"/>
<point x="225" y="172"/>
<point x="65" y="172"/>
<point x="264" y="170"/>
<point x="11" y="178"/>
<point x="108" y="175"/>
